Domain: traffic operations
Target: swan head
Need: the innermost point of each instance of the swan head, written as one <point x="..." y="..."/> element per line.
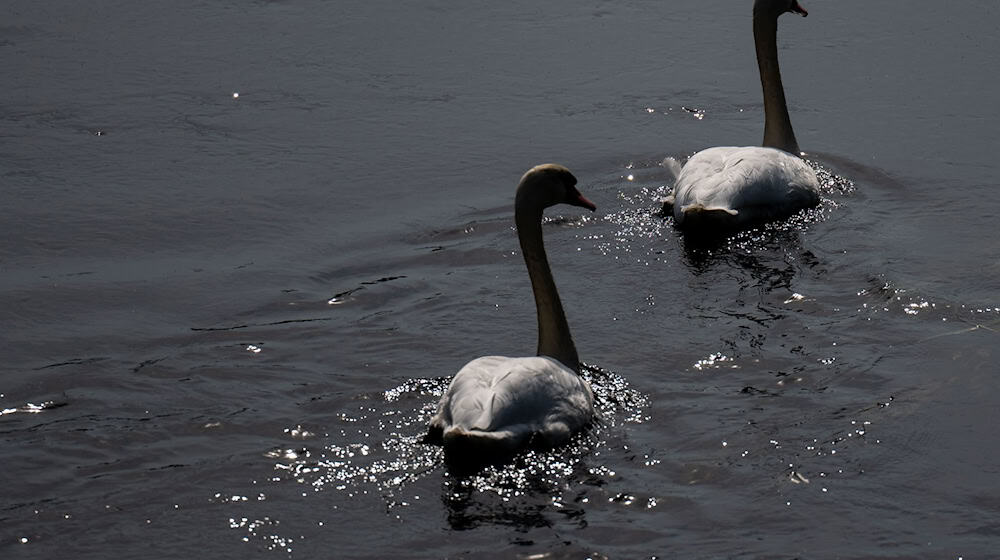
<point x="775" y="8"/>
<point x="550" y="184"/>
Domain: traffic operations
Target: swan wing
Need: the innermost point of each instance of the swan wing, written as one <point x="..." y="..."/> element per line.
<point x="745" y="183"/>
<point x="513" y="399"/>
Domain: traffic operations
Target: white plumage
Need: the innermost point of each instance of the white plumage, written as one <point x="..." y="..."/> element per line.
<point x="742" y="185"/>
<point x="496" y="401"/>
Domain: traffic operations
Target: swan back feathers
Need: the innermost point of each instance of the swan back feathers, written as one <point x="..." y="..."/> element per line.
<point x="747" y="184"/>
<point x="512" y="400"/>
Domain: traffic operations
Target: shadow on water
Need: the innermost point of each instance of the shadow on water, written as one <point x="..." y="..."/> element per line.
<point x="839" y="167"/>
<point x="742" y="250"/>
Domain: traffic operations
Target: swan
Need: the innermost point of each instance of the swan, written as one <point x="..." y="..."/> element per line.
<point x="733" y="187"/>
<point x="497" y="405"/>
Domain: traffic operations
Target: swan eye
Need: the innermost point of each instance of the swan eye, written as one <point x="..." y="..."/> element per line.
<point x="569" y="186"/>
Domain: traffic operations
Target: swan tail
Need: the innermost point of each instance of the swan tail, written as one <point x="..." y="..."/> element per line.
<point x="467" y="450"/>
<point x="434" y="435"/>
<point x="698" y="216"/>
<point x="460" y="440"/>
<point x="668" y="205"/>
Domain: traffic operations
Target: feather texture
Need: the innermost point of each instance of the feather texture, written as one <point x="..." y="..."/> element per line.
<point x="508" y="401"/>
<point x="742" y="185"/>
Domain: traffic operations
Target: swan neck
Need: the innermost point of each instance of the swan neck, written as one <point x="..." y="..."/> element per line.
<point x="777" y="125"/>
<point x="554" y="339"/>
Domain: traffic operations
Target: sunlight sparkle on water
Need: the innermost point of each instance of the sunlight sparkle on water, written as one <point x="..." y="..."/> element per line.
<point x="711" y="361"/>
<point x="697" y="113"/>
<point x="299" y="432"/>
<point x="29" y="408"/>
<point x="379" y="453"/>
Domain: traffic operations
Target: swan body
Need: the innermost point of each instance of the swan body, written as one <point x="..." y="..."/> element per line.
<point x="734" y="187"/>
<point x="505" y="403"/>
<point x="496" y="405"/>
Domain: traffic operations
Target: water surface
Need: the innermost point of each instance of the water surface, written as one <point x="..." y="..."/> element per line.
<point x="246" y="244"/>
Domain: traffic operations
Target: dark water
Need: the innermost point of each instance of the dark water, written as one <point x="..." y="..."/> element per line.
<point x="225" y="319"/>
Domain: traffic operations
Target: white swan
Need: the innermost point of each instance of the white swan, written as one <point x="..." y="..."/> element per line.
<point x="497" y="405"/>
<point x="733" y="187"/>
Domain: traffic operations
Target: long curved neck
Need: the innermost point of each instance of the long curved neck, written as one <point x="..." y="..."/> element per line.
<point x="777" y="126"/>
<point x="554" y="339"/>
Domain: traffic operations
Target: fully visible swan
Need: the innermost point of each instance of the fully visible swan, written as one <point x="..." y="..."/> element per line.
<point x="733" y="187"/>
<point x="497" y="405"/>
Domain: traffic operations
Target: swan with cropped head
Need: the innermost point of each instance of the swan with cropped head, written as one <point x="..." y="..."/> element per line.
<point x="733" y="187"/>
<point x="496" y="405"/>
